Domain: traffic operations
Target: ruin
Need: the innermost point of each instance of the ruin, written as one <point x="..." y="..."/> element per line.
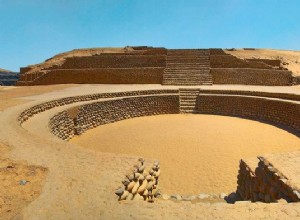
<point x="150" y="65"/>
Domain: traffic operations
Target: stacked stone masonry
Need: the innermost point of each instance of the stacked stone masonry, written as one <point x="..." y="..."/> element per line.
<point x="95" y="114"/>
<point x="250" y="76"/>
<point x="266" y="183"/>
<point x="279" y="112"/>
<point x="25" y="115"/>
<point x="62" y="125"/>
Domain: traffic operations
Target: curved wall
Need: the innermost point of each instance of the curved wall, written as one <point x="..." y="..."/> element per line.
<point x="105" y="112"/>
<point x="280" y="112"/>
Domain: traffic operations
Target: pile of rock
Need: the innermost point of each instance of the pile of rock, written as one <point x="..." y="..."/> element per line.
<point x="266" y="184"/>
<point x="139" y="183"/>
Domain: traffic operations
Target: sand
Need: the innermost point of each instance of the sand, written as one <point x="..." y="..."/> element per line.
<point x="198" y="153"/>
<point x="289" y="57"/>
<point x="14" y="196"/>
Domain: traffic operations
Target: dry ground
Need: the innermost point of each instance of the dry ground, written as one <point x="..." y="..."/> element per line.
<point x="80" y="181"/>
<point x="289" y="57"/>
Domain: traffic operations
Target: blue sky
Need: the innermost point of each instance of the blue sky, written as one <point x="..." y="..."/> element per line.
<point x="34" y="30"/>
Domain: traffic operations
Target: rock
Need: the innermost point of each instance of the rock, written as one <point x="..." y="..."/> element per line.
<point x="129" y="197"/>
<point x="145" y="192"/>
<point x="157" y="174"/>
<point x="130" y="186"/>
<point x="203" y="196"/>
<point x="188" y="198"/>
<point x="141" y="168"/>
<point x="124" y="195"/>
<point x="268" y="198"/>
<point x="138" y="197"/>
<point x="143" y="187"/>
<point x="23" y="182"/>
<point x="119" y="191"/>
<point x="135" y="188"/>
<point x="126" y="182"/>
<point x="165" y="197"/>
<point x="223" y="195"/>
<point x="177" y="197"/>
<point x="150" y="185"/>
<point x="148" y="177"/>
<point x="297" y="193"/>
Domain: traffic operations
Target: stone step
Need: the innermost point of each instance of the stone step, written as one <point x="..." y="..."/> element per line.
<point x="187" y="84"/>
<point x="171" y="71"/>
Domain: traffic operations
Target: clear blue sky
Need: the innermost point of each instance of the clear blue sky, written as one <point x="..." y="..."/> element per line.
<point x="34" y="30"/>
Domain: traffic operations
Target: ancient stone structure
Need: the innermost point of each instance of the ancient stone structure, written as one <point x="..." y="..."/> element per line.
<point x="264" y="183"/>
<point x="148" y="65"/>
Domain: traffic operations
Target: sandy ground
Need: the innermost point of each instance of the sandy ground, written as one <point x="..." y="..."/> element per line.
<point x="291" y="58"/>
<point x="14" y="196"/>
<point x="13" y="95"/>
<point x="198" y="153"/>
<point x="81" y="181"/>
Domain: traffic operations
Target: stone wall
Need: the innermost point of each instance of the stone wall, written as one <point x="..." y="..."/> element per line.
<point x="62" y="125"/>
<point x="279" y="112"/>
<point x="102" y="76"/>
<point x="113" y="61"/>
<point x="95" y="114"/>
<point x="229" y="61"/>
<point x="266" y="183"/>
<point x="287" y="96"/>
<point x="25" y="115"/>
<point x="296" y="80"/>
<point x="251" y="76"/>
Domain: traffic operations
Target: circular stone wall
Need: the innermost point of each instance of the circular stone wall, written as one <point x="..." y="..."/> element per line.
<point x="198" y="153"/>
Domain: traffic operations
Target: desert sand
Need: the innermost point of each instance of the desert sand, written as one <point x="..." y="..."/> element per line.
<point x="80" y="181"/>
<point x="290" y="58"/>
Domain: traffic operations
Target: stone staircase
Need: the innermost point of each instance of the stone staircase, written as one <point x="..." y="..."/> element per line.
<point x="187" y="67"/>
<point x="188" y="100"/>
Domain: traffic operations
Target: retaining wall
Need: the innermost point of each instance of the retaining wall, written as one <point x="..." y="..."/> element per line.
<point x="102" y="76"/>
<point x="252" y="76"/>
<point x="25" y="115"/>
<point x="113" y="61"/>
<point x="279" y="112"/>
<point x="265" y="184"/>
<point x="229" y="61"/>
<point x="62" y="125"/>
<point x="95" y="114"/>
